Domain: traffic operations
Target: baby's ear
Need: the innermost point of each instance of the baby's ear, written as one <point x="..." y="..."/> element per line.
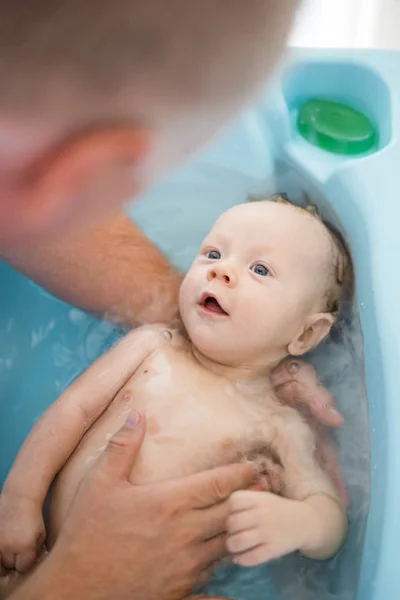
<point x="316" y="328"/>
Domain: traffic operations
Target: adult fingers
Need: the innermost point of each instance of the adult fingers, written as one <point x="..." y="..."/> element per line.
<point x="212" y="521"/>
<point x="25" y="560"/>
<point x="8" y="560"/>
<point x="296" y="383"/>
<point x="206" y="573"/>
<point x="288" y="369"/>
<point x="213" y="549"/>
<point x="213" y="486"/>
<point x="321" y="405"/>
<point x="122" y="449"/>
<point x="3" y="569"/>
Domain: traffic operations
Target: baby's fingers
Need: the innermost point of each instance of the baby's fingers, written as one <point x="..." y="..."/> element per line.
<point x="246" y="500"/>
<point x="253" y="557"/>
<point x="241" y="521"/>
<point x="243" y="541"/>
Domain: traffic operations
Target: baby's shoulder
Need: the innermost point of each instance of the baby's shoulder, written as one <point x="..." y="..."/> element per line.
<point x="292" y="427"/>
<point x="160" y="335"/>
<point x="287" y="418"/>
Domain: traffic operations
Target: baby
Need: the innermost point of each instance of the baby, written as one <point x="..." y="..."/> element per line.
<point x="267" y="283"/>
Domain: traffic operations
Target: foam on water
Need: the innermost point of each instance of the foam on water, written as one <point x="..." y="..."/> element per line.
<point x="45" y="344"/>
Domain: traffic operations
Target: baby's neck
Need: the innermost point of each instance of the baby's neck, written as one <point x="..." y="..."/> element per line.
<point x="244" y="373"/>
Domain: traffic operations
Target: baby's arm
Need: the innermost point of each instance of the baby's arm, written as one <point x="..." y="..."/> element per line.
<point x="53" y="439"/>
<point x="310" y="518"/>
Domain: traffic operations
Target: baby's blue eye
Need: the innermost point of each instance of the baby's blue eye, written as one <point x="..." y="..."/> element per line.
<point x="214" y="255"/>
<point x="260" y="270"/>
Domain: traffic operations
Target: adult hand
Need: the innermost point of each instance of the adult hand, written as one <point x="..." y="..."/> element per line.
<point x="122" y="541"/>
<point x="296" y="384"/>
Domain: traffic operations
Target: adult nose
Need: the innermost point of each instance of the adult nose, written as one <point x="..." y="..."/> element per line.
<point x="224" y="273"/>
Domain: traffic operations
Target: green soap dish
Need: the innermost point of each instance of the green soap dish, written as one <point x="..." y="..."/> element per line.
<point x="336" y="127"/>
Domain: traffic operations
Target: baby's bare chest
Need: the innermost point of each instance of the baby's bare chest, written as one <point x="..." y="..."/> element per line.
<point x="195" y="419"/>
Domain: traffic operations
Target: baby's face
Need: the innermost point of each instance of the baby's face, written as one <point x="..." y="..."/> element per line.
<point x="260" y="273"/>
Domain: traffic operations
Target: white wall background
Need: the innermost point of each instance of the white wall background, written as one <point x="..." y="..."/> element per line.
<point x="348" y="24"/>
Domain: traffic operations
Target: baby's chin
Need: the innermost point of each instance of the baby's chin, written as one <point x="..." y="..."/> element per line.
<point x="216" y="348"/>
<point x="225" y="351"/>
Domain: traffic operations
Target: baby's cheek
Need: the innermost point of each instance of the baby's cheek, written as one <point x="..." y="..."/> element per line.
<point x="191" y="286"/>
<point x="183" y="301"/>
<point x="255" y="320"/>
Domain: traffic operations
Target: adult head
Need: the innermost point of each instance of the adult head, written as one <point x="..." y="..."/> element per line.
<point x="98" y="98"/>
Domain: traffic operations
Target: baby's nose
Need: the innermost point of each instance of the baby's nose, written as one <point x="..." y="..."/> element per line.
<point x="223" y="273"/>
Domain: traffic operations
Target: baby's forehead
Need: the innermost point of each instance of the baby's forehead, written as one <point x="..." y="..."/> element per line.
<point x="271" y="220"/>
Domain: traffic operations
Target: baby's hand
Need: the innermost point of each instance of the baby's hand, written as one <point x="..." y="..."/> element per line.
<point x="22" y="533"/>
<point x="262" y="527"/>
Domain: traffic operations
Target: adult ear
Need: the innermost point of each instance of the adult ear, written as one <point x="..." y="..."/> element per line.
<point x="316" y="328"/>
<point x="85" y="178"/>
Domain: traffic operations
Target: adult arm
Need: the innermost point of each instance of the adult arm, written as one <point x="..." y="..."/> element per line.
<point x="113" y="270"/>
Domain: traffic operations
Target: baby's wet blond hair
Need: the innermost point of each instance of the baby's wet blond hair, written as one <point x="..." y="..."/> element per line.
<point x="339" y="288"/>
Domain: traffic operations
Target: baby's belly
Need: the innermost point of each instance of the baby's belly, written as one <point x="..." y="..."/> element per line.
<point x="166" y="453"/>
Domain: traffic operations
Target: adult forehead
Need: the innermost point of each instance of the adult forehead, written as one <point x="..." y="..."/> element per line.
<point x="128" y="59"/>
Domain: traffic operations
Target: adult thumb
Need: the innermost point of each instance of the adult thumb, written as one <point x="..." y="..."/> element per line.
<point x="323" y="409"/>
<point x="120" y="454"/>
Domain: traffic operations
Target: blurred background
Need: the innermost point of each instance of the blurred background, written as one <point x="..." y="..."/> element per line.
<point x="348" y="24"/>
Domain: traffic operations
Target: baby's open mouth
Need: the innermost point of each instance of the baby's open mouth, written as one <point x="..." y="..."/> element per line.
<point x="210" y="304"/>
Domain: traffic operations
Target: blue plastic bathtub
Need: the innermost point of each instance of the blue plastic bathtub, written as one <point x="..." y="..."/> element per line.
<point x="45" y="343"/>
